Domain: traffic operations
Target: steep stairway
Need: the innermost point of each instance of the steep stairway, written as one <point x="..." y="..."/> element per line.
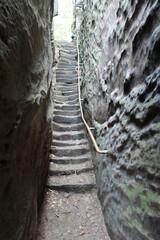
<point x="71" y="168"/>
<point x="71" y="209"/>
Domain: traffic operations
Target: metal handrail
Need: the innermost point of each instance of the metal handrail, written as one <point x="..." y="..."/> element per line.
<point x="79" y="94"/>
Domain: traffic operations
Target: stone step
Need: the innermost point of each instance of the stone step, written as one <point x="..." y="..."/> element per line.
<point x="77" y="166"/>
<point x="66" y="72"/>
<point x="63" y="119"/>
<point x="68" y="69"/>
<point x="67" y="103"/>
<point x="76" y="188"/>
<point x="71" y="102"/>
<point x="70" y="160"/>
<point x="67" y="107"/>
<point x="66" y="127"/>
<point x="70" y="152"/>
<point x="72" y="47"/>
<point x="68" y="169"/>
<point x="67" y="45"/>
<point x="76" y="147"/>
<point x="73" y="53"/>
<point x="61" y="143"/>
<point x="68" y="49"/>
<point x="71" y="58"/>
<point x="70" y="136"/>
<point x="78" y="183"/>
<point x="68" y="96"/>
<point x="68" y="56"/>
<point x="70" y="52"/>
<point x="66" y="65"/>
<point x="66" y="78"/>
<point x="67" y="113"/>
<point x="62" y="98"/>
<point x="70" y="93"/>
<point x="72" y="97"/>
<point x="68" y="86"/>
<point x="63" y="93"/>
<point x="68" y="81"/>
<point x="68" y="61"/>
<point x="65" y="89"/>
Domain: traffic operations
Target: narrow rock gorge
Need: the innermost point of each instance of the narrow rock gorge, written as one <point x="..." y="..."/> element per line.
<point x="120" y="49"/>
<point x="25" y="121"/>
<point x="119" y="42"/>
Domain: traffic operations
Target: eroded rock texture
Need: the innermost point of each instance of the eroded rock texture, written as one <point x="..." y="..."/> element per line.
<point x="120" y="50"/>
<point x="78" y="15"/>
<point x="25" y="61"/>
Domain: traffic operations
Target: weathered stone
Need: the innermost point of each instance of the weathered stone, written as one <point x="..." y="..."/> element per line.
<point x="120" y="42"/>
<point x="25" y="121"/>
<point x="78" y="16"/>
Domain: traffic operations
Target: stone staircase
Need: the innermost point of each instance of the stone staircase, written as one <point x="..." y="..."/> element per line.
<point x="71" y="209"/>
<point x="71" y="168"/>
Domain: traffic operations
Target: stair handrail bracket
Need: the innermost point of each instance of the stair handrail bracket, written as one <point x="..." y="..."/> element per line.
<point x="81" y="109"/>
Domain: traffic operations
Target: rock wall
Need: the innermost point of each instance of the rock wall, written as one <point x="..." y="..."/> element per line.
<point x="25" y="119"/>
<point x="77" y="16"/>
<point x="120" y="51"/>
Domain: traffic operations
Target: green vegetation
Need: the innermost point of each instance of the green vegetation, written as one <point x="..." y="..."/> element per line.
<point x="64" y="21"/>
<point x="142" y="201"/>
<point x="140" y="228"/>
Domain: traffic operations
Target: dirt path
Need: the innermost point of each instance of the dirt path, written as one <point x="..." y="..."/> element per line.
<point x="69" y="216"/>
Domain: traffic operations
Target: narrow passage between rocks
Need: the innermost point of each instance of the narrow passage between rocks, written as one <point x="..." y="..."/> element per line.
<point x="71" y="209"/>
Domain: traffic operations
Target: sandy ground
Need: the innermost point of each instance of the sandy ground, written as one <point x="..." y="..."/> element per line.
<point x="69" y="216"/>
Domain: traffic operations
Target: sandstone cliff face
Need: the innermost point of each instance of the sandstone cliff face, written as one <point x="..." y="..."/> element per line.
<point x="78" y="15"/>
<point x="120" y="50"/>
<point x="25" y="124"/>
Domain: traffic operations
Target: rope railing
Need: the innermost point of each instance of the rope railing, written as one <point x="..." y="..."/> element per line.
<point x="79" y="94"/>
